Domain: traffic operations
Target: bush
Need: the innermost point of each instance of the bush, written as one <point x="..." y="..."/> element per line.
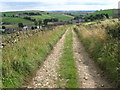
<point x="3" y="27"/>
<point x="20" y="25"/>
<point x="114" y="30"/>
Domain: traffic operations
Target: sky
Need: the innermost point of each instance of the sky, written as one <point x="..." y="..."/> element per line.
<point x="48" y="5"/>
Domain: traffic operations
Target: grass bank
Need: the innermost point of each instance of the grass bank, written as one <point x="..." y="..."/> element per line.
<point x="67" y="71"/>
<point x="21" y="60"/>
<point x="103" y="47"/>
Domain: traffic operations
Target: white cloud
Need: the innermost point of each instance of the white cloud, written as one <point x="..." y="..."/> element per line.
<point x="81" y="7"/>
<point x="62" y="1"/>
<point x="43" y="1"/>
<point x="21" y="0"/>
<point x="61" y="5"/>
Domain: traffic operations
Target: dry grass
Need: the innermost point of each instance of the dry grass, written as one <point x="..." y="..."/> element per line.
<point x="22" y="59"/>
<point x="103" y="48"/>
<point x="92" y="33"/>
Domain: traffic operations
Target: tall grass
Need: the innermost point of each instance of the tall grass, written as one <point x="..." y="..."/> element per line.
<point x="103" y="48"/>
<point x="67" y="70"/>
<point x="21" y="60"/>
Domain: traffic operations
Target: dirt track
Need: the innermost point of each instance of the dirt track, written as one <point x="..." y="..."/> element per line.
<point x="46" y="76"/>
<point x="90" y="76"/>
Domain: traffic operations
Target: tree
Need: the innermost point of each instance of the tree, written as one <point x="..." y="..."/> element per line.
<point x="107" y="16"/>
<point x="39" y="22"/>
<point x="32" y="28"/>
<point x="54" y="20"/>
<point x="28" y="18"/>
<point x="46" y="21"/>
<point x="4" y="15"/>
<point x="20" y="25"/>
<point x="3" y="27"/>
<point x="36" y="23"/>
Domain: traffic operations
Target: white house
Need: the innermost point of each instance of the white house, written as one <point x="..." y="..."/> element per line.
<point x="25" y="27"/>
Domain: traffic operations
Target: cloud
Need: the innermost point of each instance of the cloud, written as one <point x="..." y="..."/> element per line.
<point x="86" y="3"/>
<point x="14" y="5"/>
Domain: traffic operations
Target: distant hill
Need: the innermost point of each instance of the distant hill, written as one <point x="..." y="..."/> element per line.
<point x="41" y="15"/>
<point x="69" y="11"/>
<point x="15" y="20"/>
<point x="11" y="19"/>
<point x="75" y="13"/>
<point x="10" y="13"/>
<point x="108" y="11"/>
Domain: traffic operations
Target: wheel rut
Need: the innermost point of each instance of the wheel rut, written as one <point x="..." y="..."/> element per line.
<point x="89" y="74"/>
<point x="47" y="75"/>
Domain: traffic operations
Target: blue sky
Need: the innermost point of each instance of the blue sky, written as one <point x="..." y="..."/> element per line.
<point x="46" y="5"/>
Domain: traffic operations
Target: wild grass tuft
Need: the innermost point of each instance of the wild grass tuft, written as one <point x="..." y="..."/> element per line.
<point x="67" y="70"/>
<point x="21" y="60"/>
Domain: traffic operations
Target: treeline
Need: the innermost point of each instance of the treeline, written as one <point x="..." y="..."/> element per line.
<point x="45" y="20"/>
<point x="69" y="14"/>
<point x="92" y="17"/>
<point x="29" y="18"/>
<point x="96" y="17"/>
<point x="19" y="14"/>
<point x="78" y="17"/>
<point x="32" y="13"/>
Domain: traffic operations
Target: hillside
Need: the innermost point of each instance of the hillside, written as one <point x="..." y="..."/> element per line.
<point x="14" y="20"/>
<point x="17" y="12"/>
<point x="39" y="15"/>
<point x="108" y="11"/>
<point x="29" y="18"/>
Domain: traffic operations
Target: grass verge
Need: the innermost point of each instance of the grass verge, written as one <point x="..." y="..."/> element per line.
<point x="67" y="71"/>
<point x="21" y="61"/>
<point x="103" y="48"/>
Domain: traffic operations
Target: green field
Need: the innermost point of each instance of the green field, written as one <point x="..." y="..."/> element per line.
<point x="95" y="22"/>
<point x="108" y="11"/>
<point x="77" y="13"/>
<point x="11" y="26"/>
<point x="38" y="17"/>
<point x="15" y="20"/>
<point x="43" y="16"/>
<point x="17" y="12"/>
<point x="7" y="17"/>
<point x="60" y="17"/>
